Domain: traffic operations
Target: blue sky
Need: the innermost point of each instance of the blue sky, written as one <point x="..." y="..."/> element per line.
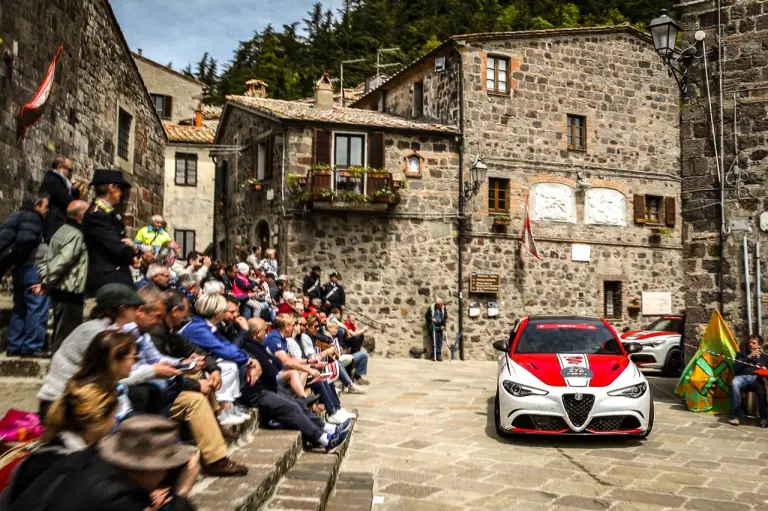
<point x="179" y="31"/>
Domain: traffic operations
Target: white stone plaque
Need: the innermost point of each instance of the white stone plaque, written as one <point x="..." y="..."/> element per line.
<point x="656" y="304"/>
<point x="605" y="206"/>
<point x="554" y="202"/>
<point x="581" y="252"/>
<point x="764" y="221"/>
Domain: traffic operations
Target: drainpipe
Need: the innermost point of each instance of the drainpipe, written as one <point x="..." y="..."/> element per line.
<point x="759" y="290"/>
<point x="461" y="203"/>
<point x="747" y="285"/>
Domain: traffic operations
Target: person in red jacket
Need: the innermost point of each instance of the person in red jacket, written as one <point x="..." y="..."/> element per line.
<point x="288" y="305"/>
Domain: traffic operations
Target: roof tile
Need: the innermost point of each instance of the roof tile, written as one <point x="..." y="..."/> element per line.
<point x="295" y="111"/>
<point x="189" y="134"/>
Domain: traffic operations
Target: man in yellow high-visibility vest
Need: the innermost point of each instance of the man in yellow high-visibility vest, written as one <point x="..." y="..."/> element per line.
<point x="154" y="234"/>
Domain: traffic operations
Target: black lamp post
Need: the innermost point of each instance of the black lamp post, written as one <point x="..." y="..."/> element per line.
<point x="664" y="32"/>
<point x="477" y="174"/>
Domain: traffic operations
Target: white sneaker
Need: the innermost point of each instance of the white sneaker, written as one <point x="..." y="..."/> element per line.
<point x="347" y="414"/>
<point x="228" y="418"/>
<point x="241" y="411"/>
<point x="337" y="418"/>
<point x="355" y="389"/>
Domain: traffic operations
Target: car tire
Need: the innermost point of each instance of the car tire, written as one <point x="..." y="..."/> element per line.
<point x="673" y="364"/>
<point x="497" y="418"/>
<point x="650" y="421"/>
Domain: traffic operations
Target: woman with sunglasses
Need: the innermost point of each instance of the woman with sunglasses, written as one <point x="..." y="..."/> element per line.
<point x="309" y="342"/>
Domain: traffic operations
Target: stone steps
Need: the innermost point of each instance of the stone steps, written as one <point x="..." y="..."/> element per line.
<point x="353" y="492"/>
<point x="17" y="367"/>
<point x="309" y="482"/>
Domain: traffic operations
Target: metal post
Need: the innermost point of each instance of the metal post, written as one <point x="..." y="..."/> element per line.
<point x="354" y="61"/>
<point x="759" y="291"/>
<point x="747" y="286"/>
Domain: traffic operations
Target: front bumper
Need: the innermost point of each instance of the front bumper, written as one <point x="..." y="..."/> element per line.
<point x="651" y="357"/>
<point x="559" y="412"/>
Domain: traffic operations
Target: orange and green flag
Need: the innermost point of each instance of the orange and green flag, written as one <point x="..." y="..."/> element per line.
<point x="706" y="381"/>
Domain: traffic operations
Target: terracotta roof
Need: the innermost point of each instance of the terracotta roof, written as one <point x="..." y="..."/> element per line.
<point x="189" y="134"/>
<point x="211" y="112"/>
<point x="294" y="111"/>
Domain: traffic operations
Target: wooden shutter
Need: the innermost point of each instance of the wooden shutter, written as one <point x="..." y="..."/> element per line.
<point x="268" y="157"/>
<point x="640" y="209"/>
<point x="192" y="170"/>
<point x="254" y="159"/>
<point x="669" y="211"/>
<point x="376" y="150"/>
<point x="181" y="167"/>
<point x="321" y="154"/>
<point x="167" y="107"/>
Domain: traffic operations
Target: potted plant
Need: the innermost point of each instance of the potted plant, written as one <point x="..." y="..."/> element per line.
<point x="295" y="182"/>
<point x="322" y="194"/>
<point x="252" y="184"/>
<point x="321" y="169"/>
<point x="350" y="197"/>
<point x="634" y="305"/>
<point x="385" y="196"/>
<point x="501" y="220"/>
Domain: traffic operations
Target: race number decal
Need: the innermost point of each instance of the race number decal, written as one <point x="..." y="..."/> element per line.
<point x="574" y="368"/>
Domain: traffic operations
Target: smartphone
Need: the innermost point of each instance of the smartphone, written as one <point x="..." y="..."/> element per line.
<point x="185" y="367"/>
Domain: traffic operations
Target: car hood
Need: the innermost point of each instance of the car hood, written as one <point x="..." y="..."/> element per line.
<point x="573" y="369"/>
<point x="646" y="335"/>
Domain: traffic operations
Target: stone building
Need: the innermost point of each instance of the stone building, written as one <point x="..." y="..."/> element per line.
<point x="99" y="113"/>
<point x="189" y="169"/>
<point x="584" y="122"/>
<point x="740" y="33"/>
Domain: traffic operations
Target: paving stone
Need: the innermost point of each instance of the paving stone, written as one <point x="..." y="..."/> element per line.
<point x="576" y="488"/>
<point x="286" y="503"/>
<point x="706" y="493"/>
<point x="716" y="505"/>
<point x="526" y="494"/>
<point x="415" y="444"/>
<point x="410" y="490"/>
<point x="466" y="485"/>
<point x="637" y="496"/>
<point x="405" y="476"/>
<point x="576" y="501"/>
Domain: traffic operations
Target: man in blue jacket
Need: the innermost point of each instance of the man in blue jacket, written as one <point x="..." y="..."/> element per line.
<point x="746" y="379"/>
<point x="22" y="248"/>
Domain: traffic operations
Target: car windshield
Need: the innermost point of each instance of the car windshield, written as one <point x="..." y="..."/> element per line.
<point x="567" y="337"/>
<point x="665" y="325"/>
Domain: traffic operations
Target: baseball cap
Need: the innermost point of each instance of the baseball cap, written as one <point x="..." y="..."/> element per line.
<point x="117" y="295"/>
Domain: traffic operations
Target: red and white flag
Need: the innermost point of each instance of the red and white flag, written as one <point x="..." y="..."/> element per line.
<point x="527" y="238"/>
<point x="32" y="111"/>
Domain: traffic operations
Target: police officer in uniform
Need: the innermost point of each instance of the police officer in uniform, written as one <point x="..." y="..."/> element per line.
<point x="333" y="294"/>
<point x="312" y="286"/>
<point x="110" y="250"/>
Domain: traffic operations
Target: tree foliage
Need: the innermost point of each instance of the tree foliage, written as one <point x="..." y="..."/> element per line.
<point x="292" y="58"/>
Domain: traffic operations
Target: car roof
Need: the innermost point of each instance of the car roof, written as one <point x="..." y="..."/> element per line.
<point x="545" y="318"/>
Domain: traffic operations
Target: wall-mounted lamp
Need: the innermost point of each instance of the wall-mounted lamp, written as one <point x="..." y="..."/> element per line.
<point x="664" y="31"/>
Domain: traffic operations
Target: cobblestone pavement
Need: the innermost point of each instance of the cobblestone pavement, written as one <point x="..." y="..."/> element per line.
<point x="426" y="433"/>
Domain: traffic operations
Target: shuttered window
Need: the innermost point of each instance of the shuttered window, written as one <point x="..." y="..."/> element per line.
<point x="186" y="169"/>
<point x="163" y="105"/>
<point x="376" y="147"/>
<point x="655" y="210"/>
<point x="349" y="151"/>
<point x="186" y="240"/>
<point x="124" y="121"/>
<point x="321" y="154"/>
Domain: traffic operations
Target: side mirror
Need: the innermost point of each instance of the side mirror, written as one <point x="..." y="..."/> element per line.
<point x="633" y="347"/>
<point x="501" y="345"/>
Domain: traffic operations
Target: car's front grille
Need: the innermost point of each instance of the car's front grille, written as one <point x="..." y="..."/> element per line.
<point x="606" y="423"/>
<point x="540" y="422"/>
<point x="615" y="423"/>
<point x="578" y="409"/>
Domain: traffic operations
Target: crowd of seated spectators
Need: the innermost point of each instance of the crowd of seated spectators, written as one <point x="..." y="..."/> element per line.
<point x="200" y="345"/>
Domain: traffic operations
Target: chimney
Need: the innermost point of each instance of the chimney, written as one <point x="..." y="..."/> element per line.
<point x="141" y="52"/>
<point x="324" y="93"/>
<point x="256" y="89"/>
<point x="199" y="119"/>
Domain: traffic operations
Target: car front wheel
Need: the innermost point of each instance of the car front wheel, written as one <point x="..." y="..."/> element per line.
<point x="672" y="364"/>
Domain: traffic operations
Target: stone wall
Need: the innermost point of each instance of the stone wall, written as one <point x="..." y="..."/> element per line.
<point x="95" y="75"/>
<point x="190" y="207"/>
<point x="745" y="73"/>
<point x="631" y="105"/>
<point x="186" y="93"/>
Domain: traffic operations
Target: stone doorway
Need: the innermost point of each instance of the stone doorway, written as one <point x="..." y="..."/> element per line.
<point x="262" y="235"/>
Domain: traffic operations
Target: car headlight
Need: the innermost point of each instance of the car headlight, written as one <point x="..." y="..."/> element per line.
<point x="519" y="390"/>
<point x="635" y="391"/>
<point x="654" y="344"/>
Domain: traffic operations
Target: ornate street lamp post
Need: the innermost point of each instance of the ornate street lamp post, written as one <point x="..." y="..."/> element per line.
<point x="664" y="32"/>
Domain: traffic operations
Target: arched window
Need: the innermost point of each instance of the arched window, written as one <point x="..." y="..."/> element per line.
<point x="605" y="206"/>
<point x="553" y="202"/>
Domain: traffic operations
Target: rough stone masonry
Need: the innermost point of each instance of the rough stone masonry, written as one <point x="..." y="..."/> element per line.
<point x="95" y="77"/>
<point x="743" y="154"/>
